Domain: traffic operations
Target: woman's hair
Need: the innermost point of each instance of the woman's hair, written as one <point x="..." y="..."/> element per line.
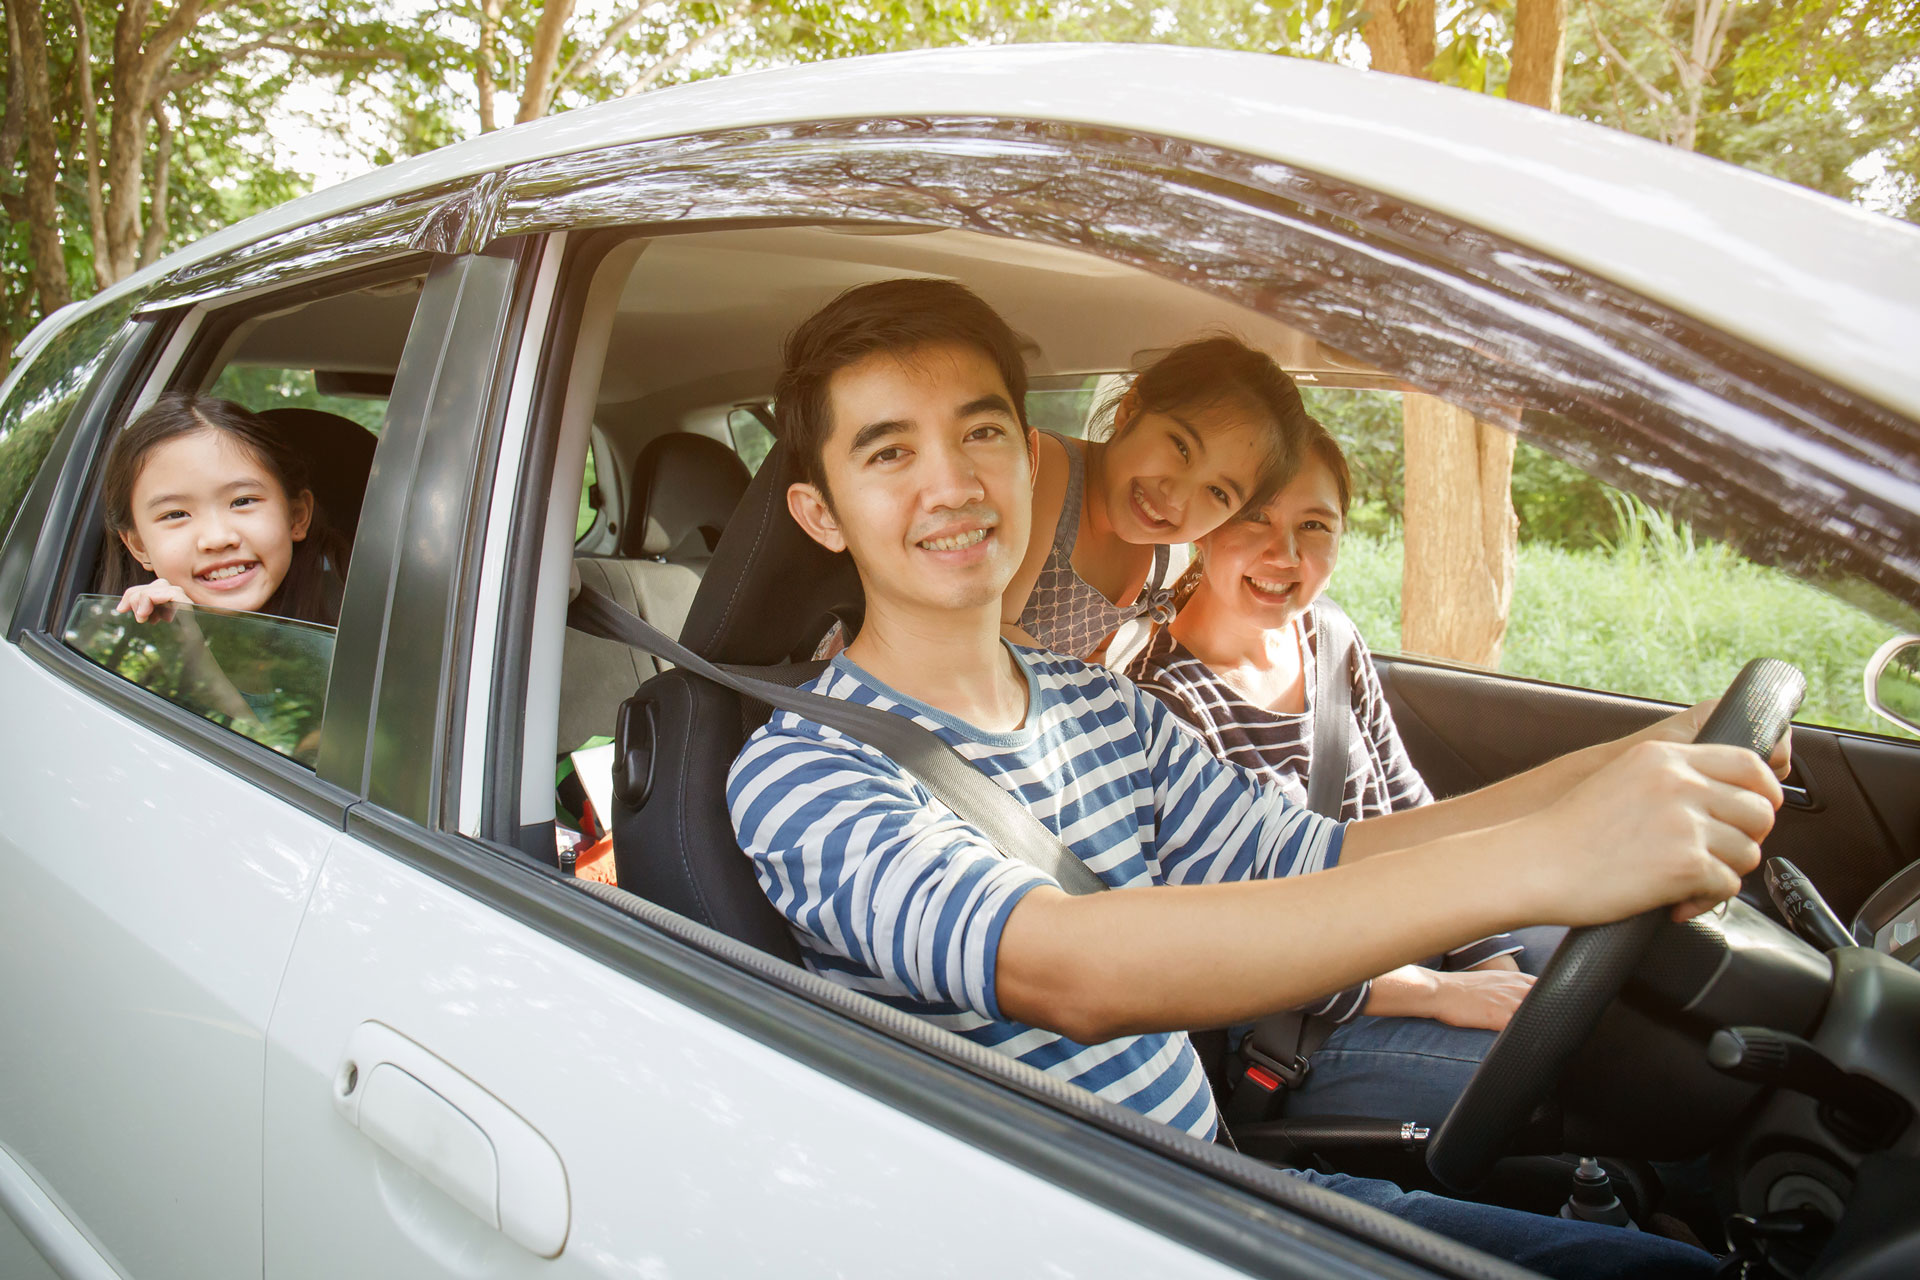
<point x="1316" y="442"/>
<point x="311" y="588"/>
<point x="1225" y="370"/>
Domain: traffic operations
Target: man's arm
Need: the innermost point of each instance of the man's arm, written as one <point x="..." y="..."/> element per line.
<point x="1525" y="793"/>
<point x="1662" y="824"/>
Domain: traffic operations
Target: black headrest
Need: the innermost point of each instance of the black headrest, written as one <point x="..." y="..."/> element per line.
<point x="684" y="488"/>
<point x="771" y="591"/>
<point x="339" y="456"/>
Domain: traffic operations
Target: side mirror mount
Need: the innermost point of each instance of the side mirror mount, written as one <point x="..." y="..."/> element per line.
<point x="1892" y="682"/>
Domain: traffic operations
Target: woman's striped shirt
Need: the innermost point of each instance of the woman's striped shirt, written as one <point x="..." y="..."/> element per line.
<point x="890" y="894"/>
<point x="1278" y="746"/>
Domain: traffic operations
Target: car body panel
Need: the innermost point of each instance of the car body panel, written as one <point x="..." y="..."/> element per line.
<point x="151" y="902"/>
<point x="689" y="1148"/>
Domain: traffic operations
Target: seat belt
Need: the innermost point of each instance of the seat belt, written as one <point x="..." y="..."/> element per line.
<point x="953" y="779"/>
<point x="1277" y="1052"/>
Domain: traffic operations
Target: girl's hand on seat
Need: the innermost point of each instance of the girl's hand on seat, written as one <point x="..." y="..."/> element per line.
<point x="1480" y="997"/>
<point x="151" y="600"/>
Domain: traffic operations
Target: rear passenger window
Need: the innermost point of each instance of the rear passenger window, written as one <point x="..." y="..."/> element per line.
<point x="246" y="577"/>
<point x="261" y="676"/>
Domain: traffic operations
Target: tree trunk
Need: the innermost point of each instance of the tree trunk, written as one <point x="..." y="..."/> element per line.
<point x="47" y="258"/>
<point x="140" y="62"/>
<point x="154" y="242"/>
<point x="1400" y="40"/>
<point x="483" y="64"/>
<point x="1539" y="53"/>
<point x="543" y="59"/>
<point x="1457" y="582"/>
<point x="89" y="149"/>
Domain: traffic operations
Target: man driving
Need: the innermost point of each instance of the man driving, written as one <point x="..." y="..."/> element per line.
<point x="902" y="404"/>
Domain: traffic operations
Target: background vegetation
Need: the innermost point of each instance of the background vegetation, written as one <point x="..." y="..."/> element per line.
<point x="133" y="127"/>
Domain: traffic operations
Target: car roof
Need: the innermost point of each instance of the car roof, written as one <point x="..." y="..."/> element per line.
<point x="1830" y="287"/>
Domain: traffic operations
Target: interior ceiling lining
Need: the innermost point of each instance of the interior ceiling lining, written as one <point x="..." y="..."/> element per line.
<point x="715" y="307"/>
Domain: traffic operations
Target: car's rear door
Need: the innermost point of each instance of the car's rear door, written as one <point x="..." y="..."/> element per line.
<point x="155" y="865"/>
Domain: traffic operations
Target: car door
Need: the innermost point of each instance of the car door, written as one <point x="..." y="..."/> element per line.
<point x="156" y="868"/>
<point x="473" y="1066"/>
<point x="1852" y="816"/>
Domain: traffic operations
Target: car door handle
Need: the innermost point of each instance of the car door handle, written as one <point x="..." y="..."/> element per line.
<point x="456" y="1135"/>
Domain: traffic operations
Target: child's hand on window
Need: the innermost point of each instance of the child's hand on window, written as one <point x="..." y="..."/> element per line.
<point x="152" y="600"/>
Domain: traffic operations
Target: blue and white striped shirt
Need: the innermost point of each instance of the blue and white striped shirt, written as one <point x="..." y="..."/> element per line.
<point x="890" y="894"/>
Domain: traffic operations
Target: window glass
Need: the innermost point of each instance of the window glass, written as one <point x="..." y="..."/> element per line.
<point x="261" y="676"/>
<point x="1062" y="405"/>
<point x="1609" y="593"/>
<point x="45" y="395"/>
<point x="751" y="439"/>
<point x="260" y="388"/>
<point x="590" y="498"/>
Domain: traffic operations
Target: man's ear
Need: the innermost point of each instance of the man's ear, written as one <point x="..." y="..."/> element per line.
<point x="136" y="548"/>
<point x="301" y="509"/>
<point x="1033" y="454"/>
<point x="812" y="513"/>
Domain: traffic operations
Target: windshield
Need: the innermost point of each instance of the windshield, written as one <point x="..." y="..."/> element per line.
<point x="261" y="676"/>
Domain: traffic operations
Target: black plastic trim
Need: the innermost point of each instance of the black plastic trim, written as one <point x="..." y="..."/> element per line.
<point x="1227" y="1206"/>
<point x="497" y="369"/>
<point x="259" y="765"/>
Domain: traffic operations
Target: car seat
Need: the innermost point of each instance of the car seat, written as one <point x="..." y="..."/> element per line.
<point x="768" y="597"/>
<point x="339" y="455"/>
<point x="685" y="487"/>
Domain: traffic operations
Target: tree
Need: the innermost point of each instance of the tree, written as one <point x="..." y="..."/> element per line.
<point x="1457" y="576"/>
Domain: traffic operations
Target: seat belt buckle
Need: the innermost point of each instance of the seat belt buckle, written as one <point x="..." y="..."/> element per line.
<point x="1262" y="1085"/>
<point x="1292" y="1073"/>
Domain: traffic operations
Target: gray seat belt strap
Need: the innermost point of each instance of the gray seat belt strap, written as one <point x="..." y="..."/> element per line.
<point x="1332" y="696"/>
<point x="950" y="776"/>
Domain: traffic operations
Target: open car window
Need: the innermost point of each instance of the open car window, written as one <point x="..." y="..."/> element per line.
<point x="261" y="676"/>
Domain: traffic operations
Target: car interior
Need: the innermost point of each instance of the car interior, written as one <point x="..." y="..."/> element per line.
<point x="683" y="522"/>
<point x="698" y="540"/>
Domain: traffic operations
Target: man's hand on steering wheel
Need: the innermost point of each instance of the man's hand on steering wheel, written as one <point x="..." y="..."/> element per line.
<point x="1685" y="726"/>
<point x="1663" y="823"/>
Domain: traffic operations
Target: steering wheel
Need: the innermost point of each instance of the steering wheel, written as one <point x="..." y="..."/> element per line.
<point x="1588" y="970"/>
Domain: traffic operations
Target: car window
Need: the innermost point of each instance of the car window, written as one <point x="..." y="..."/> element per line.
<point x="751" y="438"/>
<point x="362" y="398"/>
<point x="1609" y="593"/>
<point x="263" y="677"/>
<point x="45" y="394"/>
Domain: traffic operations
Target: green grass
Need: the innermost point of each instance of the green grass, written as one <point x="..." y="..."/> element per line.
<point x="1654" y="613"/>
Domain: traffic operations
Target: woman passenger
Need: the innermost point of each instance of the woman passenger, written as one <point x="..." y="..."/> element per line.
<point x="1202" y="432"/>
<point x="1238" y="664"/>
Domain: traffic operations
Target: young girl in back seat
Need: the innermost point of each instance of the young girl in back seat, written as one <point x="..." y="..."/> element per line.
<point x="208" y="505"/>
<point x="1204" y="431"/>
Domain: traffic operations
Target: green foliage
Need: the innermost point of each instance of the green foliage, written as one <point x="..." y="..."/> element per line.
<point x="1556" y="503"/>
<point x="1654" y="613"/>
<point x="259" y="388"/>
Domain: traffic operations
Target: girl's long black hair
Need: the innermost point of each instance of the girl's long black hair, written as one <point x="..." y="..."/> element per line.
<point x="311" y="590"/>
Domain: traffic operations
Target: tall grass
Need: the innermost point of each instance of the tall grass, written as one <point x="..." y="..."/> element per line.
<point x="1652" y="612"/>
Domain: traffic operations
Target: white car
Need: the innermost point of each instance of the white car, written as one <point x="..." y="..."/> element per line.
<point x="323" y="1003"/>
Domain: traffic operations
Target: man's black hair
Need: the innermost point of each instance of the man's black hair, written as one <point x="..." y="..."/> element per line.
<point x="890" y="316"/>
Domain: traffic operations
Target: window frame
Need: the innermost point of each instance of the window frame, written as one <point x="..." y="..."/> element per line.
<point x="166" y="348"/>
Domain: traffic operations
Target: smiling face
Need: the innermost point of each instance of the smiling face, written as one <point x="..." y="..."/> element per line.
<point x="1267" y="568"/>
<point x="1175" y="476"/>
<point x="930" y="477"/>
<point x="209" y="517"/>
